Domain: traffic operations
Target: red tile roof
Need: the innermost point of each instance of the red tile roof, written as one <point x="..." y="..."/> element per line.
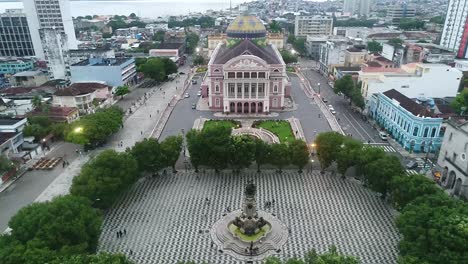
<point x="55" y="113"/>
<point x="80" y="88"/>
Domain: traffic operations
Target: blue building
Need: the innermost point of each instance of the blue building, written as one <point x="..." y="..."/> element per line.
<point x="409" y="123"/>
<point x="113" y="71"/>
<point x="13" y="66"/>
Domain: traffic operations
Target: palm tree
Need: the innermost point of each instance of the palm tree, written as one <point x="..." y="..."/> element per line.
<point x="36" y="101"/>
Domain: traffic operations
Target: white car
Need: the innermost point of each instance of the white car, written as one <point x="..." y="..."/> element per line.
<point x="333" y="111"/>
<point x="383" y="135"/>
<point x="199" y="93"/>
<point x="187" y="95"/>
<point x="330" y="107"/>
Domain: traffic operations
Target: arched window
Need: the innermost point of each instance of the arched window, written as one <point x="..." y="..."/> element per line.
<point x="217" y="88"/>
<point x="275" y="88"/>
<point x="216" y="71"/>
<point x="426" y="131"/>
<point x="433" y="133"/>
<point x="217" y="102"/>
<point x="415" y="131"/>
<point x="275" y="70"/>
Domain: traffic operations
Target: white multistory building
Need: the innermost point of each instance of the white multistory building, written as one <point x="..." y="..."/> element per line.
<point x="357" y="7"/>
<point x="47" y="20"/>
<point x="313" y="26"/>
<point x="455" y="34"/>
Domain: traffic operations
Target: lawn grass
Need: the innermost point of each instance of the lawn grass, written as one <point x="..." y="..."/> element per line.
<point x="236" y="230"/>
<point x="280" y="128"/>
<point x="222" y="123"/>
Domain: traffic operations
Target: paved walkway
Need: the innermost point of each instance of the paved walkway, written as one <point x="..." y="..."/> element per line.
<point x="167" y="218"/>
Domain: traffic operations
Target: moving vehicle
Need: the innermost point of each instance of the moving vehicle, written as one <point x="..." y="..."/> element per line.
<point x="194" y="81"/>
<point x="383" y="135"/>
<point x="194" y="106"/>
<point x="187" y="95"/>
<point x="324" y="100"/>
<point x="199" y="93"/>
<point x="412" y="164"/>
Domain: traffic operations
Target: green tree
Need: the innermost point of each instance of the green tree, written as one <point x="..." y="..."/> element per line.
<point x="461" y="100"/>
<point x="356" y="97"/>
<point x="345" y="86"/>
<point x="105" y="177"/>
<point x="411" y="24"/>
<point x="395" y="42"/>
<point x="348" y="154"/>
<point x="154" y="68"/>
<point x="195" y="144"/>
<point x="262" y="153"/>
<point x="333" y="256"/>
<point x="65" y="226"/>
<point x="217" y="141"/>
<point x="36" y="101"/>
<point x="405" y="189"/>
<point x="133" y="16"/>
<point x="437" y="20"/>
<point x="434" y="230"/>
<point x="242" y="150"/>
<point x="100" y="258"/>
<point x="106" y="35"/>
<point x="192" y="40"/>
<point x="159" y="36"/>
<point x="274" y="27"/>
<point x="148" y="155"/>
<point x="368" y="155"/>
<point x="299" y="153"/>
<point x="280" y="155"/>
<point x="171" y="148"/>
<point x="36" y="131"/>
<point x="328" y="146"/>
<point x="5" y="163"/>
<point x="288" y="57"/>
<point x="95" y="128"/>
<point x="300" y="45"/>
<point x="122" y="90"/>
<point x="198" y="60"/>
<point x="291" y="39"/>
<point x="374" y="46"/>
<point x="169" y="66"/>
<point x="380" y="173"/>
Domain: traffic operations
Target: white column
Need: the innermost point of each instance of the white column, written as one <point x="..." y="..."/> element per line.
<point x="242" y="90"/>
<point x="256" y="85"/>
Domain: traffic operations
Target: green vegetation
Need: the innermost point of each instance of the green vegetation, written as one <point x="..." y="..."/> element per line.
<point x="41" y="126"/>
<point x="298" y="44"/>
<point x="201" y="69"/>
<point x="274" y="27"/>
<point x="395" y="42"/>
<point x="438" y="20"/>
<point x="246" y="238"/>
<point x="290" y="69"/>
<point x="312" y="257"/>
<point x="432" y="224"/>
<point x="198" y="60"/>
<point x="157" y="68"/>
<point x="374" y="46"/>
<point x="352" y="91"/>
<point x="120" y="22"/>
<point x="122" y="90"/>
<point x="192" y="40"/>
<point x="461" y="101"/>
<point x="288" y="57"/>
<point x="203" y="21"/>
<point x="5" y="164"/>
<point x="221" y="123"/>
<point x="280" y="128"/>
<point x="411" y="24"/>
<point x="214" y="147"/>
<point x="94" y="129"/>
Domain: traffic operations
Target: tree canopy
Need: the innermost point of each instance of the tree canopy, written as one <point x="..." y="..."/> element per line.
<point x="288" y="57"/>
<point x="351" y="90"/>
<point x="461" y="100"/>
<point x="122" y="90"/>
<point x="328" y="146"/>
<point x="42" y="232"/>
<point x="203" y="21"/>
<point x="192" y="40"/>
<point x="105" y="177"/>
<point x="157" y="68"/>
<point x="411" y="24"/>
<point x="374" y="46"/>
<point x="333" y="256"/>
<point x="95" y="129"/>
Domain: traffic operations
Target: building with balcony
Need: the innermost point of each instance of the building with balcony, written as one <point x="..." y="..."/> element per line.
<point x="113" y="71"/>
<point x="409" y="123"/>
<point x="246" y="74"/>
<point x="455" y="33"/>
<point x="313" y="26"/>
<point x="11" y="134"/>
<point x="81" y="97"/>
<point x="453" y="156"/>
<point x="29" y="79"/>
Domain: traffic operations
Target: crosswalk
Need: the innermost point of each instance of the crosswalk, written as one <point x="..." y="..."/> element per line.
<point x="384" y="147"/>
<point x="411" y="172"/>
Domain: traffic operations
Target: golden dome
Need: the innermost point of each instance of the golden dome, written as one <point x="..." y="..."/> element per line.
<point x="246" y="27"/>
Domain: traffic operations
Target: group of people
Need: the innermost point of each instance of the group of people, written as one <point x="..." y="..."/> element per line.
<point x="120" y="234"/>
<point x="268" y="204"/>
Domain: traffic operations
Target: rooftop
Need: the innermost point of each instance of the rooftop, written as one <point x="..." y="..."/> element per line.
<point x="354" y="49"/>
<point x="6" y="136"/>
<point x="102" y="62"/>
<point x="74" y="90"/>
<point x="28" y="74"/>
<point x="343" y="68"/>
<point x="55" y="113"/>
<point x="170" y="45"/>
<point x="408" y="104"/>
<point x="247" y="47"/>
<point x="9" y="121"/>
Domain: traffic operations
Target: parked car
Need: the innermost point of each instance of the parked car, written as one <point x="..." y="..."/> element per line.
<point x="199" y="93"/>
<point x="181" y="73"/>
<point x="333" y="111"/>
<point x="194" y="81"/>
<point x="187" y="95"/>
<point x="324" y="100"/>
<point x="330" y="107"/>
<point x="412" y="164"/>
<point x="383" y="135"/>
<point x="194" y="106"/>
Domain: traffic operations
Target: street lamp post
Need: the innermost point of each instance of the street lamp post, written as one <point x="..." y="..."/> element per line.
<point x="318" y="84"/>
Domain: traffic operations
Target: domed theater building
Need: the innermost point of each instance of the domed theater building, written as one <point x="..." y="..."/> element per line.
<point x="246" y="73"/>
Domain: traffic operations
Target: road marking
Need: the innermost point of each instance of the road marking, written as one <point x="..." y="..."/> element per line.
<point x="354" y="127"/>
<point x="363" y="129"/>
